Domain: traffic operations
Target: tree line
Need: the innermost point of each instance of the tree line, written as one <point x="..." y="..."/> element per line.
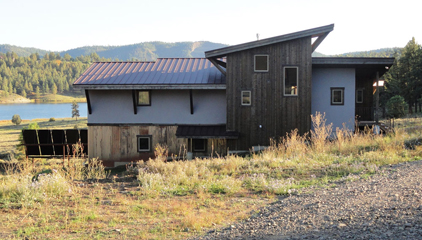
<point x="405" y="76"/>
<point x="48" y="74"/>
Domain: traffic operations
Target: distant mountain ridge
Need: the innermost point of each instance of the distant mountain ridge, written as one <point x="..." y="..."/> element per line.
<point x="150" y="51"/>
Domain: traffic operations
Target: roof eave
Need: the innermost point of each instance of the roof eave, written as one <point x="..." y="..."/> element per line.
<point x="149" y="87"/>
<point x="314" y="32"/>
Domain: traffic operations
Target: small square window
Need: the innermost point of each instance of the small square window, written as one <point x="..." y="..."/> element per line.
<point x="199" y="145"/>
<point x="144" y="143"/>
<point x="246" y="98"/>
<point x="290" y="81"/>
<point x="144" y="98"/>
<point x="359" y="96"/>
<point x="337" y="96"/>
<point x="261" y="63"/>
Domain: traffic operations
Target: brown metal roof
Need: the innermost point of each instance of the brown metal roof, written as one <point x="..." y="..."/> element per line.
<point x="205" y="131"/>
<point x="163" y="72"/>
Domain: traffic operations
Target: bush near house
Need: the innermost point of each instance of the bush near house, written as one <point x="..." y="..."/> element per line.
<point x="396" y="106"/>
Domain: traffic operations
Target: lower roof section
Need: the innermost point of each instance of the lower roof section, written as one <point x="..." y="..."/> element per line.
<point x="205" y="131"/>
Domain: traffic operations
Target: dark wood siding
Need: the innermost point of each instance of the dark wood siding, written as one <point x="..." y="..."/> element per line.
<point x="277" y="114"/>
<point x="364" y="80"/>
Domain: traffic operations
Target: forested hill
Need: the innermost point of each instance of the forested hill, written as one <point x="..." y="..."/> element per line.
<point x="147" y="51"/>
<point x="383" y="52"/>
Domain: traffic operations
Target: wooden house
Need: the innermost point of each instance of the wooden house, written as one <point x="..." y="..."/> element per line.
<point x="236" y="98"/>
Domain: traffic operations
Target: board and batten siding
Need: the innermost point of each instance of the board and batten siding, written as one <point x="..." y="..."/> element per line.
<point x="116" y="145"/>
<point x="323" y="79"/>
<point x="277" y="114"/>
<point x="167" y="107"/>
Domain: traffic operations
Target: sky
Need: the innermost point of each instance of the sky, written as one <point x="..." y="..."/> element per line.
<point x="59" y="25"/>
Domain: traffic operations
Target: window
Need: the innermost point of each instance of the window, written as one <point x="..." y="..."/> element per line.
<point x="144" y="98"/>
<point x="290" y="81"/>
<point x="359" y="96"/>
<point x="199" y="145"/>
<point x="144" y="143"/>
<point x="337" y="96"/>
<point x="261" y="63"/>
<point x="246" y="98"/>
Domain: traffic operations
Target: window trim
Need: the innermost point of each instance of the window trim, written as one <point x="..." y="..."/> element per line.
<point x="357" y="100"/>
<point x="297" y="81"/>
<point x="332" y="96"/>
<point x="137" y="98"/>
<point x="149" y="137"/>
<point x="200" y="150"/>
<point x="268" y="62"/>
<point x="250" y="98"/>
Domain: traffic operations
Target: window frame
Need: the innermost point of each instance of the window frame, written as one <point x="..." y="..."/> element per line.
<point x="138" y="143"/>
<point x="357" y="94"/>
<point x="268" y="62"/>
<point x="284" y="81"/>
<point x="250" y="98"/>
<point x="332" y="96"/>
<point x="137" y="98"/>
<point x="204" y="149"/>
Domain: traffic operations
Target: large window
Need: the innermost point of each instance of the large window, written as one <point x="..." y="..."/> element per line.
<point x="144" y="98"/>
<point x="246" y="98"/>
<point x="199" y="145"/>
<point x="337" y="96"/>
<point x="144" y="143"/>
<point x="290" y="80"/>
<point x="261" y="63"/>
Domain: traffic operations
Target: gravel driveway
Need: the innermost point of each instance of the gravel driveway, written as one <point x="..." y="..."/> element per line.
<point x="385" y="206"/>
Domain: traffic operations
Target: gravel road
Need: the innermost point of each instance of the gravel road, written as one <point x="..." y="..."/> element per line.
<point x="388" y="205"/>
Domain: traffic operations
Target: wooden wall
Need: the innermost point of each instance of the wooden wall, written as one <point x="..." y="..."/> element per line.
<point x="118" y="143"/>
<point x="365" y="80"/>
<point x="276" y="113"/>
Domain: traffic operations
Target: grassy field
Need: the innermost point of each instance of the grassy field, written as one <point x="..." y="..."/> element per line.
<point x="175" y="200"/>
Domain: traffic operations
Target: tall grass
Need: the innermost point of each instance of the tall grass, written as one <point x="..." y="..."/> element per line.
<point x="293" y="162"/>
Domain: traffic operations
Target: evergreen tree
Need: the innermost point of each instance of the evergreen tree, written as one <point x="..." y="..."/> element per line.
<point x="37" y="93"/>
<point x="75" y="110"/>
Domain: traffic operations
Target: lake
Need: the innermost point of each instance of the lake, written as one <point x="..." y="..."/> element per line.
<point x="40" y="110"/>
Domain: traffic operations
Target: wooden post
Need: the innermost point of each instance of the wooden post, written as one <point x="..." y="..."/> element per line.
<point x="377" y="103"/>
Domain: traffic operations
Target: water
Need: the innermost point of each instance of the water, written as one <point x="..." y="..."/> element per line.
<point x="30" y="111"/>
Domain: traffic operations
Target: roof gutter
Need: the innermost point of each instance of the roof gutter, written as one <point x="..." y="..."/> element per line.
<point x="150" y="87"/>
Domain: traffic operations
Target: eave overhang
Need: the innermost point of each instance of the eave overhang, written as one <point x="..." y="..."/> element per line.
<point x="377" y="64"/>
<point x="150" y="87"/>
<point x="320" y="32"/>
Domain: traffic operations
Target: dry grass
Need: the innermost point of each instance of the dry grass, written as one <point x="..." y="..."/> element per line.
<point x="176" y="200"/>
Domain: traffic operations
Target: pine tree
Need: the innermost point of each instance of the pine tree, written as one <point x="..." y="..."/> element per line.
<point x="75" y="110"/>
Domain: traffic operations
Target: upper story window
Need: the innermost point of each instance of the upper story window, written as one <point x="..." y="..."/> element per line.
<point x="246" y="98"/>
<point x="144" y="98"/>
<point x="261" y="63"/>
<point x="337" y="96"/>
<point x="291" y="80"/>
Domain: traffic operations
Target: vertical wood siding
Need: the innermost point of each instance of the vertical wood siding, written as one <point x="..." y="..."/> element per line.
<point x="276" y="113"/>
<point x="119" y="143"/>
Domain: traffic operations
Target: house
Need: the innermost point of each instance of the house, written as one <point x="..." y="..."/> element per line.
<point x="235" y="98"/>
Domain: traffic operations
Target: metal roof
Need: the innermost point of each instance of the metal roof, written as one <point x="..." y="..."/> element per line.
<point x="205" y="131"/>
<point x="164" y="73"/>
<point x="314" y="32"/>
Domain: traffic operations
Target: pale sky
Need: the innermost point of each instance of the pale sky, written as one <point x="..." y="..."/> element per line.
<point x="58" y="25"/>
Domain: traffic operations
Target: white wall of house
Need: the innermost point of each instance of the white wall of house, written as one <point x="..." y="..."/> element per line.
<point x="167" y="107"/>
<point x="323" y="79"/>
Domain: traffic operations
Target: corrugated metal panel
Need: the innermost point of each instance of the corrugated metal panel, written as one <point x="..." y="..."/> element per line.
<point x="165" y="71"/>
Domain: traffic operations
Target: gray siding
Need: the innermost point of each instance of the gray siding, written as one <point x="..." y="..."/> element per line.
<point x="322" y="80"/>
<point x="167" y="107"/>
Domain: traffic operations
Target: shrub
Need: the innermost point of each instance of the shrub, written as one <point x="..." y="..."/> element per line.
<point x="16" y="119"/>
<point x="52" y="119"/>
<point x="396" y="106"/>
